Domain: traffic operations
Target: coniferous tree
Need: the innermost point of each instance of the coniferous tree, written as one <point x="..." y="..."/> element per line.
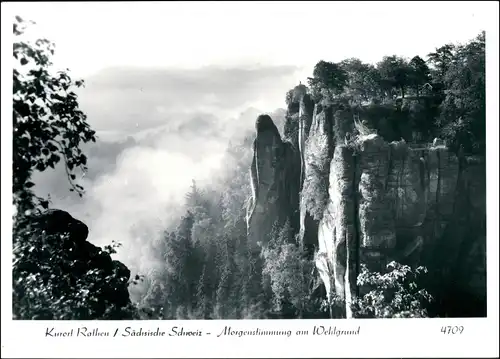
<point x="226" y="296"/>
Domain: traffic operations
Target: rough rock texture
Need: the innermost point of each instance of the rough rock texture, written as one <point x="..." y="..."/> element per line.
<point x="375" y="218"/>
<point x="275" y="175"/>
<point x="76" y="258"/>
<point x="393" y="202"/>
<point x="291" y="130"/>
<point x="368" y="201"/>
<point x="308" y="225"/>
<point x="317" y="155"/>
<point x="337" y="229"/>
<point x="305" y="121"/>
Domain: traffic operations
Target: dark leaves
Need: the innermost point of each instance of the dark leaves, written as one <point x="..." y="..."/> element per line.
<point x="29" y="184"/>
<point x="40" y="166"/>
<point x="23" y="109"/>
<point x="55" y="158"/>
<point x="48" y="124"/>
<point x="52" y="280"/>
<point x="51" y="147"/>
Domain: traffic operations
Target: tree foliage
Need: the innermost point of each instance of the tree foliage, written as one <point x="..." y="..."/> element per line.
<point x="419" y="74"/>
<point x="328" y="79"/>
<point x="440" y="60"/>
<point x="395" y="74"/>
<point x="48" y="125"/>
<point x="289" y="272"/>
<point x="58" y="278"/>
<point x="463" y="110"/>
<point x="394" y="294"/>
<point x="362" y="80"/>
<point x="414" y="99"/>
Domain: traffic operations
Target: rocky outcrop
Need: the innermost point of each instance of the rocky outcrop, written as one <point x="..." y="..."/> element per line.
<point x="54" y="243"/>
<point x="389" y="201"/>
<point x="306" y="111"/>
<point x="364" y="200"/>
<point x="275" y="175"/>
<point x="337" y="229"/>
<point x="307" y="221"/>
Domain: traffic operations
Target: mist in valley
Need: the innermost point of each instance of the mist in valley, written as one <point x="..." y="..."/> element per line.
<point x="158" y="130"/>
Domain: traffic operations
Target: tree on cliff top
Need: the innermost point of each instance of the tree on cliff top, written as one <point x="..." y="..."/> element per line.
<point x="440" y="60"/>
<point x="419" y="74"/>
<point x="329" y="77"/>
<point x="48" y="124"/>
<point x="395" y="74"/>
<point x="463" y="110"/>
<point x="363" y="80"/>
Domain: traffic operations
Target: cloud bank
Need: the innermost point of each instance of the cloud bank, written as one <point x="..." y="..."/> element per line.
<point x="158" y="130"/>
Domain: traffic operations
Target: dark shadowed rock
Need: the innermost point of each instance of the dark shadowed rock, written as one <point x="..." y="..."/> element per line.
<point x="275" y="180"/>
<point x="55" y="221"/>
<point x="264" y="123"/>
<point x="53" y="246"/>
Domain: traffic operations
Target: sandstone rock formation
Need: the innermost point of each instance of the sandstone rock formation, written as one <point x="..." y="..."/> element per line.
<point x="364" y="200"/>
<point x="275" y="173"/>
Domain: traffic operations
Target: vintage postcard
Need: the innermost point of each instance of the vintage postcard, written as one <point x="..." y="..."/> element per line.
<point x="250" y="179"/>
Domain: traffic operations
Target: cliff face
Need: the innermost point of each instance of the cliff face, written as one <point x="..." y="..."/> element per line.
<point x="275" y="176"/>
<point x="367" y="201"/>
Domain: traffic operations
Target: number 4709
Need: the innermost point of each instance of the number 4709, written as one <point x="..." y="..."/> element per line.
<point x="452" y="329"/>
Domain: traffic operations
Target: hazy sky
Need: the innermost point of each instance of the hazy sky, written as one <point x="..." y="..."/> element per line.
<point x="91" y="36"/>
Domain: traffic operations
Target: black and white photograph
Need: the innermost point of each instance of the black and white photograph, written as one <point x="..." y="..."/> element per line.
<point x="185" y="161"/>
